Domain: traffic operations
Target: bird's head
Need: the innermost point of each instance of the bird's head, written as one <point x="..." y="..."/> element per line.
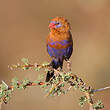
<point x="59" y="24"/>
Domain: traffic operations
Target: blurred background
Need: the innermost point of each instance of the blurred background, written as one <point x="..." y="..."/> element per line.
<point x="23" y="32"/>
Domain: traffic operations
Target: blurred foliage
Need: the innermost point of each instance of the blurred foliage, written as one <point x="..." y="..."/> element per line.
<point x="59" y="84"/>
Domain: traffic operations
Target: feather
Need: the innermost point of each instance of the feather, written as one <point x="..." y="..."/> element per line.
<point x="59" y="42"/>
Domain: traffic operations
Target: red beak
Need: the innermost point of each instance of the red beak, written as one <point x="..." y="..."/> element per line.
<point x="51" y="25"/>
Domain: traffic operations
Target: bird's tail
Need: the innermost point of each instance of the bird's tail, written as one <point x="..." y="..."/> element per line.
<point x="49" y="75"/>
<point x="55" y="63"/>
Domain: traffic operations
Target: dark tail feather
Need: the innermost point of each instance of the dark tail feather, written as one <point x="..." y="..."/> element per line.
<point x="55" y="64"/>
<point x="50" y="74"/>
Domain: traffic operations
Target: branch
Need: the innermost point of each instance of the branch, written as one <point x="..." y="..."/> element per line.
<point x="56" y="86"/>
<point x="101" y="89"/>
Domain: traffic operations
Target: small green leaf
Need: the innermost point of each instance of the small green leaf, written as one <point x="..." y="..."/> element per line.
<point x="25" y="68"/>
<point x="37" y="69"/>
<point x="15" y="83"/>
<point x="83" y="89"/>
<point x="25" y="61"/>
<point x="58" y="93"/>
<point x="43" y="86"/>
<point x="25" y="82"/>
<point x="62" y="85"/>
<point x="82" y="99"/>
<point x="98" y="105"/>
<point x="37" y="82"/>
<point x="67" y="77"/>
<point x="69" y="73"/>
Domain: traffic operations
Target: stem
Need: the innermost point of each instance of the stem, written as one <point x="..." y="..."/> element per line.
<point x="0" y="105"/>
<point x="101" y="89"/>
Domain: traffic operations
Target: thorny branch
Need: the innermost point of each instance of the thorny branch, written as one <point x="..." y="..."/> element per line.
<point x="56" y="85"/>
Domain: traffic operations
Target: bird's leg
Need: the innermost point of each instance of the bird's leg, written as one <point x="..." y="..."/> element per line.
<point x="59" y="69"/>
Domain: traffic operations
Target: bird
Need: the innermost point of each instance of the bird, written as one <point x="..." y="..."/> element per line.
<point x="59" y="43"/>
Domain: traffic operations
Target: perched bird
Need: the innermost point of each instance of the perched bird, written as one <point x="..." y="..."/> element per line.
<point x="59" y="43"/>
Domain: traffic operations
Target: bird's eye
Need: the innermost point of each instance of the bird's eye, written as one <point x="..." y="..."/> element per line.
<point x="57" y="23"/>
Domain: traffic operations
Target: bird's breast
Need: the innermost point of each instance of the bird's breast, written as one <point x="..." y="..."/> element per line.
<point x="60" y="44"/>
<point x="60" y="41"/>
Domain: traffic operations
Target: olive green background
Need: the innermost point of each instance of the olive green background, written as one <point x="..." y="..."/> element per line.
<point x="23" y="32"/>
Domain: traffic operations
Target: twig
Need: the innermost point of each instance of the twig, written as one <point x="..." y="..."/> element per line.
<point x="0" y="105"/>
<point x="57" y="83"/>
<point x="69" y="65"/>
<point x="101" y="89"/>
<point x="5" y="84"/>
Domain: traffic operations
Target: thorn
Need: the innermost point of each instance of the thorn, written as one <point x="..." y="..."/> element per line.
<point x="69" y="65"/>
<point x="10" y="67"/>
<point x="5" y="84"/>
